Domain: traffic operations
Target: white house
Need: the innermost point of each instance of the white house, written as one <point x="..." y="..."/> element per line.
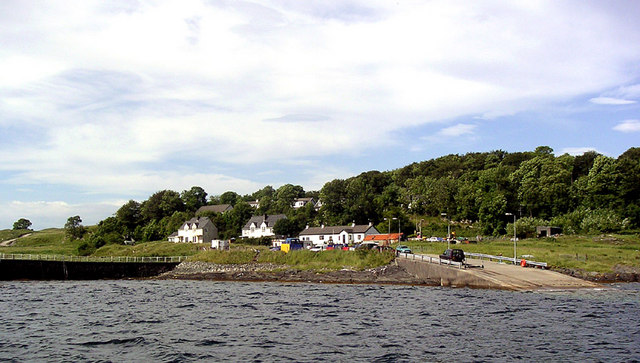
<point x="195" y="230"/>
<point x="255" y="204"/>
<point x="337" y="234"/>
<point x="301" y="202"/>
<point x="261" y="226"/>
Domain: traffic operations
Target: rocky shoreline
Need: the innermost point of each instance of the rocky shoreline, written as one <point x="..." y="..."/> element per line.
<point x="389" y="274"/>
<point x="619" y="274"/>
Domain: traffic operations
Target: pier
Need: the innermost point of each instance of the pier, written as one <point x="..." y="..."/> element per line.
<point x="55" y="267"/>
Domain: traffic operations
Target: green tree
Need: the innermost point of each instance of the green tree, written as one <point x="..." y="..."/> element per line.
<point x="602" y="184"/>
<point x="542" y="185"/>
<point x="333" y="195"/>
<point x="74" y="228"/>
<point x="173" y="223"/>
<point x="22" y="223"/>
<point x="129" y="215"/>
<point x="285" y="195"/>
<point x="236" y="219"/>
<point x="109" y="231"/>
<point x="229" y="198"/>
<point x="161" y="204"/>
<point x="194" y="198"/>
<point x="286" y="227"/>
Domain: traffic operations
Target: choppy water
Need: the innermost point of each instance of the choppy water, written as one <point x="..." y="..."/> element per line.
<point x="228" y="321"/>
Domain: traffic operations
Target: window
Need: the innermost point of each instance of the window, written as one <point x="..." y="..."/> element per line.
<point x="253" y="229"/>
<point x="359" y="237"/>
<point x="263" y="228"/>
<point x="321" y="238"/>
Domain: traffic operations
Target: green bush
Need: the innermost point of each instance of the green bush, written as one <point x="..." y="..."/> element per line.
<point x="261" y="241"/>
<point x="233" y="257"/>
<point x="602" y="221"/>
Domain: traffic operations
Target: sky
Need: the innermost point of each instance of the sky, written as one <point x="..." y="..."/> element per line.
<point x="102" y="102"/>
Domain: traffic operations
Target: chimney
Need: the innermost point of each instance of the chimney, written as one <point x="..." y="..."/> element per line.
<point x="322" y="226"/>
<point x="307" y="227"/>
<point x="353" y="224"/>
<point x="370" y="223"/>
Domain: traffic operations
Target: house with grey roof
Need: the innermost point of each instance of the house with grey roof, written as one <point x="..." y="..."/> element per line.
<point x="324" y="235"/>
<point x="218" y="208"/>
<point x="261" y="226"/>
<point x="195" y="230"/>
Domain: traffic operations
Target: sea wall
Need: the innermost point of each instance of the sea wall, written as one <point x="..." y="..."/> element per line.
<point x="448" y="275"/>
<point x="67" y="270"/>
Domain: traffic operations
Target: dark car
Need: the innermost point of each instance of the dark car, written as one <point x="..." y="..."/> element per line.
<point x="453" y="255"/>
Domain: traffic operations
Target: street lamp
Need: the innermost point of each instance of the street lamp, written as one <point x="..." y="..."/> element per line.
<point x="421" y="236"/>
<point x="448" y="229"/>
<point x="514" y="235"/>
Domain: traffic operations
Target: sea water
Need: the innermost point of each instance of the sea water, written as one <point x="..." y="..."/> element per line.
<point x="183" y="321"/>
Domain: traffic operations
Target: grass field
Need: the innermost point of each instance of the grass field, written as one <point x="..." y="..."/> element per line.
<point x="46" y="242"/>
<point x="7" y="234"/>
<point x="327" y="260"/>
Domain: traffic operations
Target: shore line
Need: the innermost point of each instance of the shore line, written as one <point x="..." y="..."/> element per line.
<point x="391" y="274"/>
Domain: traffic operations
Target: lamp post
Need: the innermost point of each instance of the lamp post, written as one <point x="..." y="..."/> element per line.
<point x="514" y="235"/>
<point x="421" y="236"/>
<point x="448" y="229"/>
<point x="389" y="228"/>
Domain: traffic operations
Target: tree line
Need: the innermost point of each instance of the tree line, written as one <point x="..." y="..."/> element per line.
<point x="588" y="193"/>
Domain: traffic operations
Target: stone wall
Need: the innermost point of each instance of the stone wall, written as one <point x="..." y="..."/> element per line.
<point x="65" y="270"/>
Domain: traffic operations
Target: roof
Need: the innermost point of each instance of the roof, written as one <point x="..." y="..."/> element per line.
<point x="270" y="220"/>
<point x="383" y="237"/>
<point x="200" y="222"/>
<point x="360" y="228"/>
<point x="218" y="208"/>
<point x="303" y="199"/>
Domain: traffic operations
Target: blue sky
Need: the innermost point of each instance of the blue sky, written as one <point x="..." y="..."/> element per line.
<point x="101" y="102"/>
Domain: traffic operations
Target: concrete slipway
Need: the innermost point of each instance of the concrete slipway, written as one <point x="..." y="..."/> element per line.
<point x="489" y="274"/>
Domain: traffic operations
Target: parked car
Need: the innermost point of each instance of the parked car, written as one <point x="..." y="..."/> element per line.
<point x="403" y="249"/>
<point x="434" y="239"/>
<point x="453" y="254"/>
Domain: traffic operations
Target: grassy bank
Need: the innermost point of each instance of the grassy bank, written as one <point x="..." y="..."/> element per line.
<point x="327" y="260"/>
<point x="589" y="253"/>
<point x="7" y="234"/>
<point x="149" y="249"/>
<point x="46" y="242"/>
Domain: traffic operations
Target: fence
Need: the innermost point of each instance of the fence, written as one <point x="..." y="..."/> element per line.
<point x="481" y="256"/>
<point x="513" y="260"/>
<point x="123" y="259"/>
<point x="438" y="260"/>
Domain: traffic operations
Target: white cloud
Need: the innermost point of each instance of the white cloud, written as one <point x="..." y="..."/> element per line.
<point x="54" y="214"/>
<point x="457" y="130"/>
<point x="154" y="95"/>
<point x="575" y="151"/>
<point x="627" y="126"/>
<point x="611" y="101"/>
